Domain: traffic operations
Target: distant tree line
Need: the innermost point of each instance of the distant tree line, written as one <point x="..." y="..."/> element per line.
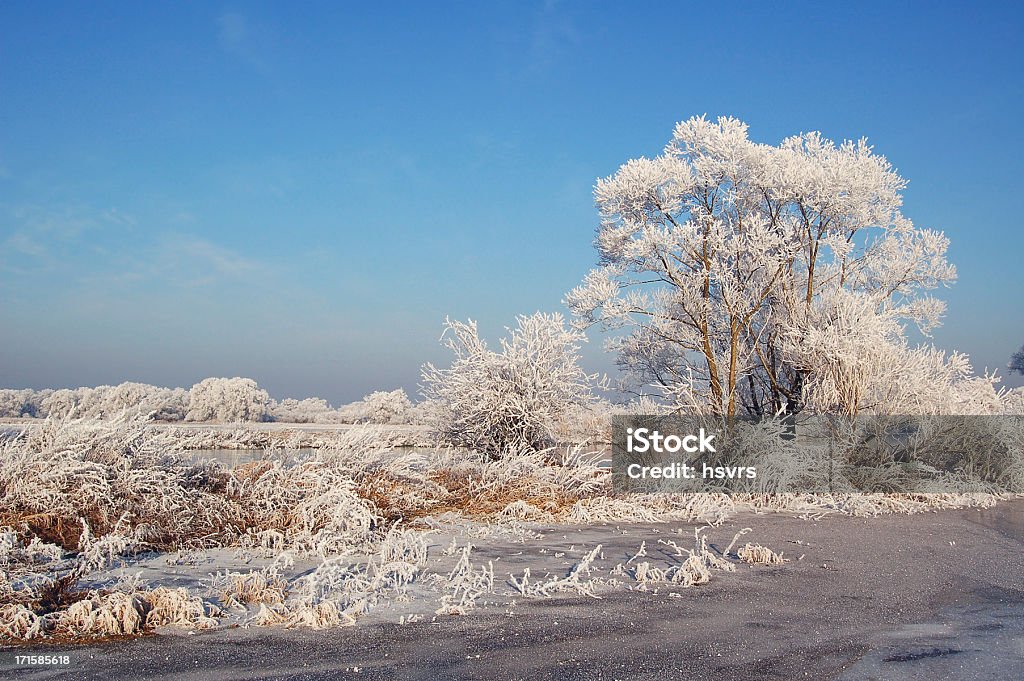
<point x="225" y="400"/>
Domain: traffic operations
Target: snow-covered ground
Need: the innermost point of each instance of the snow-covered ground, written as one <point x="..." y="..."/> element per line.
<point x="929" y="596"/>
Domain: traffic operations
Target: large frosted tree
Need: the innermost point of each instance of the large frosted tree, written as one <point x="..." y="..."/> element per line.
<point x="751" y="278"/>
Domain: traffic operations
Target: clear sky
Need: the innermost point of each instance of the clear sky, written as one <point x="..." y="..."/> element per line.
<point x="300" y="192"/>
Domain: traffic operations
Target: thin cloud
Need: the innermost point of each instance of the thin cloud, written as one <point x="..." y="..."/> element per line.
<point x="23" y="243"/>
<point x="203" y="254"/>
<point x="240" y="38"/>
<point x="234" y="29"/>
<point x="174" y="261"/>
<point x="41" y="237"/>
<point x="553" y="32"/>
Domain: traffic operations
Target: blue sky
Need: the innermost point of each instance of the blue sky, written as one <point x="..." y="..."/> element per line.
<point x="301" y="194"/>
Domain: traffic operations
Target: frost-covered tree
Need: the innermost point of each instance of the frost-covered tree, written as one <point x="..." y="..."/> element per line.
<point x="380" y="407"/>
<point x="159" y="404"/>
<point x="228" y="399"/>
<point x="309" y="410"/>
<point x="162" y="404"/>
<point x="386" y="406"/>
<point x="718" y="253"/>
<point x="18" y="403"/>
<point x="856" y="359"/>
<point x="493" y="402"/>
<point x="1017" y="361"/>
<point x="81" y="402"/>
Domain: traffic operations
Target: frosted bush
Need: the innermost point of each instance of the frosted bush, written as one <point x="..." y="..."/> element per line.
<point x="493" y="402"/>
<point x="113" y="474"/>
<point x="380" y="407"/>
<point x="115" y="614"/>
<point x="387" y="406"/>
<point x="312" y="504"/>
<point x="18" y="621"/>
<point x="104" y="402"/>
<point x="179" y="608"/>
<point x="228" y="400"/>
<point x="96" y="553"/>
<point x="309" y="410"/>
<point x="79" y="401"/>
<point x="158" y="404"/>
<point x="18" y="403"/>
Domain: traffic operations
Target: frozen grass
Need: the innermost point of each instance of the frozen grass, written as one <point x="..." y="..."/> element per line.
<point x="570" y="582"/>
<point x="67" y="476"/>
<point x="292" y="436"/>
<point x="80" y="500"/>
<point x="465" y="585"/>
<point x="755" y="554"/>
<point x="250" y="588"/>
<point x="693" y="567"/>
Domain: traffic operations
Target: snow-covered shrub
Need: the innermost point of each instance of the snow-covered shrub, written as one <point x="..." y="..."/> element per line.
<point x="227" y="400"/>
<point x="313" y="504"/>
<point x="95" y="553"/>
<point x="309" y="410"/>
<point x="755" y="554"/>
<point x="494" y="402"/>
<point x="115" y="614"/>
<point x="126" y="614"/>
<point x="387" y="406"/>
<point x="158" y="404"/>
<point x="80" y="401"/>
<point x="242" y="589"/>
<point x="18" y="403"/>
<point x="380" y="407"/>
<point x="114" y="475"/>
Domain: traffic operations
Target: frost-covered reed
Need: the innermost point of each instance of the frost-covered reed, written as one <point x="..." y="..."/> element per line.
<point x="81" y="498"/>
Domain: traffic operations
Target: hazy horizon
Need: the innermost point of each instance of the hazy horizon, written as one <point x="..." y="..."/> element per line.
<point x="226" y="190"/>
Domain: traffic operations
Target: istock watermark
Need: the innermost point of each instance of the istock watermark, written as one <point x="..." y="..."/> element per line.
<point x="641" y="440"/>
<point x="646" y="440"/>
<point x="818" y="454"/>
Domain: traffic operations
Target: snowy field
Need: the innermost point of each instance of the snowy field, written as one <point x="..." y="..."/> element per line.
<point x="112" y="529"/>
